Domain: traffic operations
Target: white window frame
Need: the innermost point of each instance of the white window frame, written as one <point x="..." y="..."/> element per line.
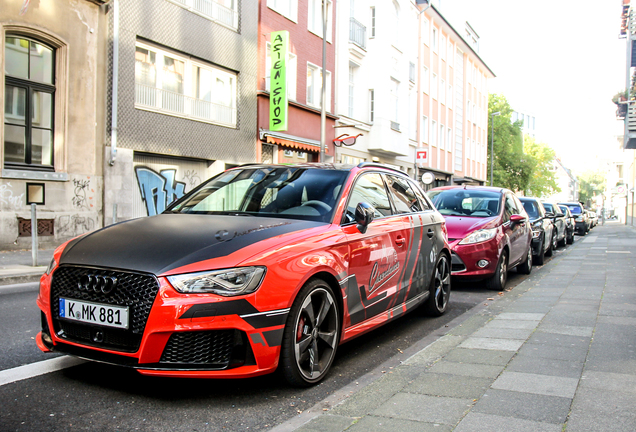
<point x="213" y="10"/>
<point x="424" y="137"/>
<point x="442" y="136"/>
<point x="442" y="91"/>
<point x="318" y="87"/>
<point x="426" y="31"/>
<point x="434" y="133"/>
<point x="371" y="105"/>
<point x="435" y="40"/>
<point x="190" y="106"/>
<point x="434" y="86"/>
<point x="287" y="8"/>
<point x="449" y="139"/>
<point x="425" y="80"/>
<point x="442" y="47"/>
<point x="395" y="100"/>
<point x="292" y="71"/>
<point x="314" y="24"/>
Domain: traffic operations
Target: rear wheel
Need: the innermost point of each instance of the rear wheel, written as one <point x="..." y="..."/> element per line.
<point x="540" y="258"/>
<point x="498" y="281"/>
<point x="311" y="335"/>
<point x="440" y="288"/>
<point x="526" y="266"/>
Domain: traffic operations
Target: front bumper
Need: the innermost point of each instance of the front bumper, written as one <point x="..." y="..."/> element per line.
<point x="465" y="258"/>
<point x="183" y="335"/>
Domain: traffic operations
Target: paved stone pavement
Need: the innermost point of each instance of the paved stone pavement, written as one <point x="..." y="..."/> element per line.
<point x="556" y="353"/>
<point x="17" y="266"/>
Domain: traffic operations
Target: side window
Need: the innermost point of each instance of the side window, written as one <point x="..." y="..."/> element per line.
<point x="404" y="198"/>
<point x="369" y="188"/>
<point x="520" y="208"/>
<point x="424" y="202"/>
<point x="510" y="208"/>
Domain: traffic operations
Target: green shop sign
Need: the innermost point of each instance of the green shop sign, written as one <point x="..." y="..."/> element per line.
<point x="278" y="82"/>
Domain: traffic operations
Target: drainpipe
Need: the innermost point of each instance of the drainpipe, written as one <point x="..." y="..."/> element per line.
<point x="113" y="121"/>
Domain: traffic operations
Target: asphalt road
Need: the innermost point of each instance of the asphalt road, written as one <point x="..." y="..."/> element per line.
<point x="94" y="396"/>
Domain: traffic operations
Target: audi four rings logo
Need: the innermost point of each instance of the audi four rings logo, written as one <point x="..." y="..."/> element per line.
<point x="97" y="283"/>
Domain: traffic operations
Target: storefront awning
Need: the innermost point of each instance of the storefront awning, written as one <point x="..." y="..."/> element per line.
<point x="291" y="141"/>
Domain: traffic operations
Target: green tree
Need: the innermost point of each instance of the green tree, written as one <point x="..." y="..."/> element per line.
<point x="513" y="169"/>
<point x="591" y="183"/>
<point x="542" y="182"/>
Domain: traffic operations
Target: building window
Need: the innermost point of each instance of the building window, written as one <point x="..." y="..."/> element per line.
<point x="449" y="139"/>
<point x="425" y="80"/>
<point x="435" y="40"/>
<point x="314" y="18"/>
<point x="314" y="86"/>
<point x="373" y="21"/>
<point x="424" y="129"/>
<point x="413" y="115"/>
<point x="425" y="30"/>
<point x="29" y="102"/>
<point x="292" y="67"/>
<point x="395" y="100"/>
<point x="442" y="135"/>
<point x="179" y="85"/>
<point x="395" y="25"/>
<point x="434" y="86"/>
<point x="442" y="91"/>
<point x="220" y="11"/>
<point x="434" y="133"/>
<point x="449" y="95"/>
<point x="287" y="8"/>
<point x="371" y="105"/>
<point x="442" y="47"/>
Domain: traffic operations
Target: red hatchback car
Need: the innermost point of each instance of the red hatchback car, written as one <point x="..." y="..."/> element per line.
<point x="261" y="267"/>
<point x="488" y="232"/>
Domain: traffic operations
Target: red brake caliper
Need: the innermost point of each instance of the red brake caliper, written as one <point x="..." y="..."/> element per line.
<point x="299" y="330"/>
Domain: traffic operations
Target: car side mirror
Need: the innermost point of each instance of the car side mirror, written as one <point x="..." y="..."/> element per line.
<point x="549" y="215"/>
<point x="516" y="218"/>
<point x="364" y="216"/>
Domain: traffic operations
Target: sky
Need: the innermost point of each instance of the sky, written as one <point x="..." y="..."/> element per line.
<point x="560" y="60"/>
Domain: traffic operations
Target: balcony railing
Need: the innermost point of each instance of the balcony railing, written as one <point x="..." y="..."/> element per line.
<point x="212" y="10"/>
<point x="357" y="33"/>
<point x="184" y="106"/>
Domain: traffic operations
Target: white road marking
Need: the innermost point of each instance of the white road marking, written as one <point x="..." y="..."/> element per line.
<point x="35" y="369"/>
<point x="618" y="251"/>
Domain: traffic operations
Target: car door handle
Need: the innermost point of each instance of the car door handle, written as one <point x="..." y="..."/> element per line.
<point x="400" y="240"/>
<point x="430" y="233"/>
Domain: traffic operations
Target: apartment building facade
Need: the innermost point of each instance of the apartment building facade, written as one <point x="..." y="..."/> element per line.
<point x="52" y="94"/>
<point x="408" y="83"/>
<point x="182" y="99"/>
<point x="301" y="141"/>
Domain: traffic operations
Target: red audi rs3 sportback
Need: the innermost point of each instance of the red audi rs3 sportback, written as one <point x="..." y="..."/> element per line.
<point x="262" y="267"/>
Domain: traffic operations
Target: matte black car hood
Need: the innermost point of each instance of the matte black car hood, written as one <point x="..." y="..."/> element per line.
<point x="164" y="242"/>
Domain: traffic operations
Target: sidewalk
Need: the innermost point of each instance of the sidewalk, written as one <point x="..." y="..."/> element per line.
<point x="557" y="353"/>
<point x="17" y="266"/>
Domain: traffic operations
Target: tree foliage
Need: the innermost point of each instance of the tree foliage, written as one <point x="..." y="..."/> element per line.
<point x="591" y="183"/>
<point x="513" y="169"/>
<point x="542" y="182"/>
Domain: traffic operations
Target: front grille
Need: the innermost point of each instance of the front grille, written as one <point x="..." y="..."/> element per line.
<point x="135" y="290"/>
<point x="215" y="349"/>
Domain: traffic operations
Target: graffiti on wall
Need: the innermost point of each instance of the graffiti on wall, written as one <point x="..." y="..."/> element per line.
<point x="8" y="197"/>
<point x="72" y="226"/>
<point x="80" y="189"/>
<point x="191" y="178"/>
<point x="158" y="190"/>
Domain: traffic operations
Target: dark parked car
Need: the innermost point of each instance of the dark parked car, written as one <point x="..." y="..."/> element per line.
<point x="262" y="267"/>
<point x="488" y="232"/>
<point x="543" y="232"/>
<point x="558" y="219"/>
<point x="580" y="217"/>
<point x="570" y="224"/>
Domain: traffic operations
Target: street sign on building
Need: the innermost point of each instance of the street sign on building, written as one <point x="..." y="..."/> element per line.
<point x="278" y="82"/>
<point x="421" y="157"/>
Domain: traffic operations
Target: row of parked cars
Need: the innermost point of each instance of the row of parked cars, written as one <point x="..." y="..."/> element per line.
<point x="491" y="230"/>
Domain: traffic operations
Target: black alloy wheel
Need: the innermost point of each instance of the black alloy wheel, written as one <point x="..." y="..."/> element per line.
<point x="570" y="237"/>
<point x="540" y="258"/>
<point x="311" y="335"/>
<point x="526" y="266"/>
<point x="498" y="281"/>
<point x="553" y="243"/>
<point x="440" y="288"/>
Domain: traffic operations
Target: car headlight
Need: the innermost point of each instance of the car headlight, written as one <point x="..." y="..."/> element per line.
<point x="227" y="282"/>
<point x="480" y="236"/>
<point x="51" y="266"/>
<point x="536" y="225"/>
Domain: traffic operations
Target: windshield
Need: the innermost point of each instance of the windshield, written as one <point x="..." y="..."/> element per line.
<point x="532" y="209"/>
<point x="564" y="209"/>
<point x="574" y="209"/>
<point x="466" y="202"/>
<point x="289" y="192"/>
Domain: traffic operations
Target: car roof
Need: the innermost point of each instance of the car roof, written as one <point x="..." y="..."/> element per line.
<point x="324" y="166"/>
<point x="469" y="187"/>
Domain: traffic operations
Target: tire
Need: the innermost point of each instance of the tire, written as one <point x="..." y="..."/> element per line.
<point x="564" y="240"/>
<point x="311" y="335"/>
<point x="540" y="258"/>
<point x="553" y="243"/>
<point x="498" y="281"/>
<point x="440" y="288"/>
<point x="570" y="238"/>
<point x="526" y="266"/>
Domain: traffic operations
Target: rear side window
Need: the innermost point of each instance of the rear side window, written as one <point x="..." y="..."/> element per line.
<point x="403" y="196"/>
<point x="532" y="209"/>
<point x="369" y="188"/>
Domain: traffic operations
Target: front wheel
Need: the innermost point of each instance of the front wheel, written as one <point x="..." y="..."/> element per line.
<point x="498" y="281"/>
<point x="570" y="238"/>
<point x="440" y="288"/>
<point x="553" y="243"/>
<point x="311" y="335"/>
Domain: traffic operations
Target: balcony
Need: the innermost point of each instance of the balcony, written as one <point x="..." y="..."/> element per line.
<point x="180" y="105"/>
<point x="357" y="33"/>
<point x="630" y="127"/>
<point x="212" y="10"/>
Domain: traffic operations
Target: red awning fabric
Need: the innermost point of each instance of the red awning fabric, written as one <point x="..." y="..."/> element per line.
<point x="293" y="144"/>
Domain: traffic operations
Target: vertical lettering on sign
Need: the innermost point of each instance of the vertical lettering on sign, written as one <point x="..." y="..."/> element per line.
<point x="278" y="82"/>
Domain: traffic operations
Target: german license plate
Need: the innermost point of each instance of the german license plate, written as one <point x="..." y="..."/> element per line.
<point x="94" y="313"/>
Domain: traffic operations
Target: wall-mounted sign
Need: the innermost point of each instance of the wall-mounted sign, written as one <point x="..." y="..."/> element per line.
<point x="428" y="178"/>
<point x="421" y="156"/>
<point x="278" y="82"/>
